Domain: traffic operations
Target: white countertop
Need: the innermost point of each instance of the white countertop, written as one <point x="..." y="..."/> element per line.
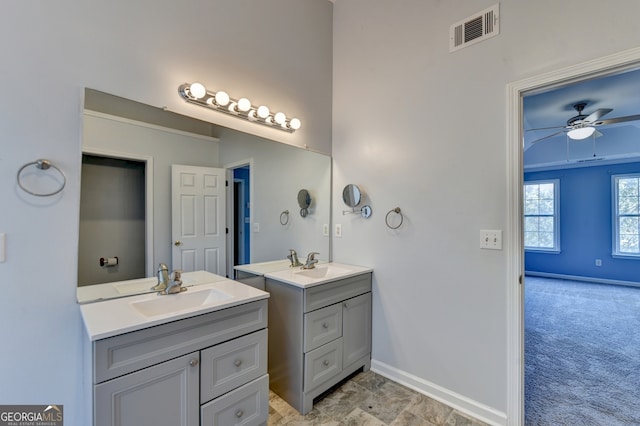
<point x="321" y="274"/>
<point x="262" y="268"/>
<point x="117" y="316"/>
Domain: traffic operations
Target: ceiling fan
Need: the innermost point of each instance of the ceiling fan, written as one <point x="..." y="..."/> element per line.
<point x="583" y="126"/>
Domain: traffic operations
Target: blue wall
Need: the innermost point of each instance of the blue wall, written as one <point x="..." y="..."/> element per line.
<point x="586" y="228"/>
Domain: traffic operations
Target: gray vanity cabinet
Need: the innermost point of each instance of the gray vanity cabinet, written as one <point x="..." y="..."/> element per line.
<point x="318" y="336"/>
<point x="210" y="369"/>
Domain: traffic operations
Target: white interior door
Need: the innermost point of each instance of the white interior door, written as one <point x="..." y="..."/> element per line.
<point x="198" y="225"/>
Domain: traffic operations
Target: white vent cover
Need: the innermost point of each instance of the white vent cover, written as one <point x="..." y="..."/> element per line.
<point x="476" y="28"/>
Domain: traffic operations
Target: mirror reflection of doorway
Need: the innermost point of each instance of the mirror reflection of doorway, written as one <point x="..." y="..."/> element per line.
<point x="112" y="220"/>
<point x="242" y="216"/>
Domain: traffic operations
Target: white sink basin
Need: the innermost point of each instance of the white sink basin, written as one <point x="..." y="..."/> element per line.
<point x="322" y="273"/>
<point x="169" y="303"/>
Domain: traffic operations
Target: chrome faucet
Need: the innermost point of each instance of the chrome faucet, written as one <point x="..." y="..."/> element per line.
<point x="311" y="261"/>
<point x="175" y="286"/>
<point x="163" y="278"/>
<point x="293" y="257"/>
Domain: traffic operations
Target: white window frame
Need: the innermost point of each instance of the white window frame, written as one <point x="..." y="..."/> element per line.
<point x="615" y="216"/>
<point x="556" y="216"/>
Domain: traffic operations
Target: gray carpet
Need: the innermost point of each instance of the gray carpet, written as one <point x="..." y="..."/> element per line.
<point x="582" y="353"/>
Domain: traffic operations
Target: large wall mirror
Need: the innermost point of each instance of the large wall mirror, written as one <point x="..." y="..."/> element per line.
<point x="127" y="227"/>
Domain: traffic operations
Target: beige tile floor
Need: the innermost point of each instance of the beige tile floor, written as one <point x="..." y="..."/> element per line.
<point x="369" y="399"/>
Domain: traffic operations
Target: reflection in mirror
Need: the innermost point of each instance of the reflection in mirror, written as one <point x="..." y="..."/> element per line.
<point x="351" y="195"/>
<point x="261" y="175"/>
<point x="304" y="201"/>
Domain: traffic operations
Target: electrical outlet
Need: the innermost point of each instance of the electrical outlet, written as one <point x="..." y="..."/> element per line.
<point x="338" y="230"/>
<point x="598" y="262"/>
<point x="325" y="230"/>
<point x="491" y="239"/>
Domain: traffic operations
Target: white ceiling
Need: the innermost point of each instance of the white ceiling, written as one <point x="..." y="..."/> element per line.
<point x="619" y="142"/>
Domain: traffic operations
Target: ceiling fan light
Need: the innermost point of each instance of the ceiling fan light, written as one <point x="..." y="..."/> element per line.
<point x="581" y="132"/>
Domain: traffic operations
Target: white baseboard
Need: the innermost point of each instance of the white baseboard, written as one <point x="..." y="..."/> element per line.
<point x="461" y="403"/>
<point x="579" y="278"/>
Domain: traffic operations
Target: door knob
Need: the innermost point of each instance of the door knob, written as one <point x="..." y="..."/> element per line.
<point x="177" y="243"/>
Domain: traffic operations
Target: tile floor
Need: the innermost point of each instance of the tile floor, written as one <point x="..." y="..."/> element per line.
<point x="369" y="399"/>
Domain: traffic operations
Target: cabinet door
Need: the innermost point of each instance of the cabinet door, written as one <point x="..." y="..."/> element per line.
<point x="356" y="328"/>
<point x="164" y="394"/>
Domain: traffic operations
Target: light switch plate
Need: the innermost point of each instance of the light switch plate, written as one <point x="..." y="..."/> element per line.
<point x="491" y="239"/>
<point x="256" y="226"/>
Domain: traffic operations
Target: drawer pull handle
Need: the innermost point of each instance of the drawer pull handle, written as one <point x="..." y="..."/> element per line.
<point x="325" y="325"/>
<point x="239" y="413"/>
<point x="326" y="362"/>
<point x="237" y="362"/>
<point x="193" y="362"/>
<point x="346" y="305"/>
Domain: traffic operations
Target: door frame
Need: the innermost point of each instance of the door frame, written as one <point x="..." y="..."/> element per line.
<point x="148" y="189"/>
<point x="617" y="62"/>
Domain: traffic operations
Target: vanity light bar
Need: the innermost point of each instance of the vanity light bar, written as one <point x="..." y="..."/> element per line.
<point x="196" y="93"/>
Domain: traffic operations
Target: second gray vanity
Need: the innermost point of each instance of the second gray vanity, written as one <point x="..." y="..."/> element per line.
<point x="319" y="330"/>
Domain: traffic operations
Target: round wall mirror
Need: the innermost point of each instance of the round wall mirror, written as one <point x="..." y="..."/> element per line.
<point x="351" y="195"/>
<point x="304" y="201"/>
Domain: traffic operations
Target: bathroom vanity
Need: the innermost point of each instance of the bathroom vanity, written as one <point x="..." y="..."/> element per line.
<point x="190" y="359"/>
<point x="253" y="273"/>
<point x="319" y="329"/>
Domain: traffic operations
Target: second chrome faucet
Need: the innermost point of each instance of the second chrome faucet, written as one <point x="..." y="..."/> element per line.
<point x="168" y="285"/>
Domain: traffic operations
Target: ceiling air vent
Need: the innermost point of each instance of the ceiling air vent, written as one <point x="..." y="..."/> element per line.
<point x="476" y="28"/>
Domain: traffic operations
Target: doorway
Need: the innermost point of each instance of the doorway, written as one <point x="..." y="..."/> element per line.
<point x="515" y="245"/>
<point x="239" y="214"/>
<point x="112" y="220"/>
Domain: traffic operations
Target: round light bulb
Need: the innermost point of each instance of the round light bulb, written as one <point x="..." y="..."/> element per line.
<point x="244" y="104"/>
<point x="263" y="111"/>
<point x="295" y="124"/>
<point x="581" y="132"/>
<point x="197" y="90"/>
<point x="222" y="98"/>
<point x="279" y="117"/>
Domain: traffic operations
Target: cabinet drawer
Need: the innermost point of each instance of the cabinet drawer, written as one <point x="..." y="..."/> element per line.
<point x="322" y="326"/>
<point x="231" y="364"/>
<point x="322" y="364"/>
<point x="247" y="406"/>
<point x="119" y="355"/>
<point x="333" y="292"/>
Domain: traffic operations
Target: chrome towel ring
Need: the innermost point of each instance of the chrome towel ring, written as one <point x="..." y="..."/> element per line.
<point x="284" y="217"/>
<point x="398" y="212"/>
<point x="41" y="164"/>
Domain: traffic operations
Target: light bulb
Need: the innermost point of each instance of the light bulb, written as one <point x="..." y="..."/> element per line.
<point x="263" y="111"/>
<point x="294" y="124"/>
<point x="279" y="117"/>
<point x="581" y="132"/>
<point x="244" y="104"/>
<point x="222" y="98"/>
<point x="197" y="90"/>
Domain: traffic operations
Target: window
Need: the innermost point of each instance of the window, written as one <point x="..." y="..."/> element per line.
<point x="626" y="189"/>
<point x="541" y="215"/>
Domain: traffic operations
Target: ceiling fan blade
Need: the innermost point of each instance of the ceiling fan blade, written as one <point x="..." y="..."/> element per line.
<point x="617" y="120"/>
<point x="595" y="115"/>
<point x="548" y="136"/>
<point x="546" y="128"/>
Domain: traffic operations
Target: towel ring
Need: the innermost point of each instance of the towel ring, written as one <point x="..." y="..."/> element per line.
<point x="399" y="213"/>
<point x="284" y="217"/>
<point x="41" y="164"/>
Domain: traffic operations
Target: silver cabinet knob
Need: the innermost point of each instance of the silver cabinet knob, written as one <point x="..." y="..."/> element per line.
<point x="193" y="362"/>
<point x="177" y="243"/>
<point x="237" y="362"/>
<point x="239" y="413"/>
<point x="325" y="325"/>
<point x="326" y="362"/>
<point x="346" y="305"/>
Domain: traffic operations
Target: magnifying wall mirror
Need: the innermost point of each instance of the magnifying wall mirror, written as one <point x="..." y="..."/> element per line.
<point x="352" y="196"/>
<point x="304" y="201"/>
